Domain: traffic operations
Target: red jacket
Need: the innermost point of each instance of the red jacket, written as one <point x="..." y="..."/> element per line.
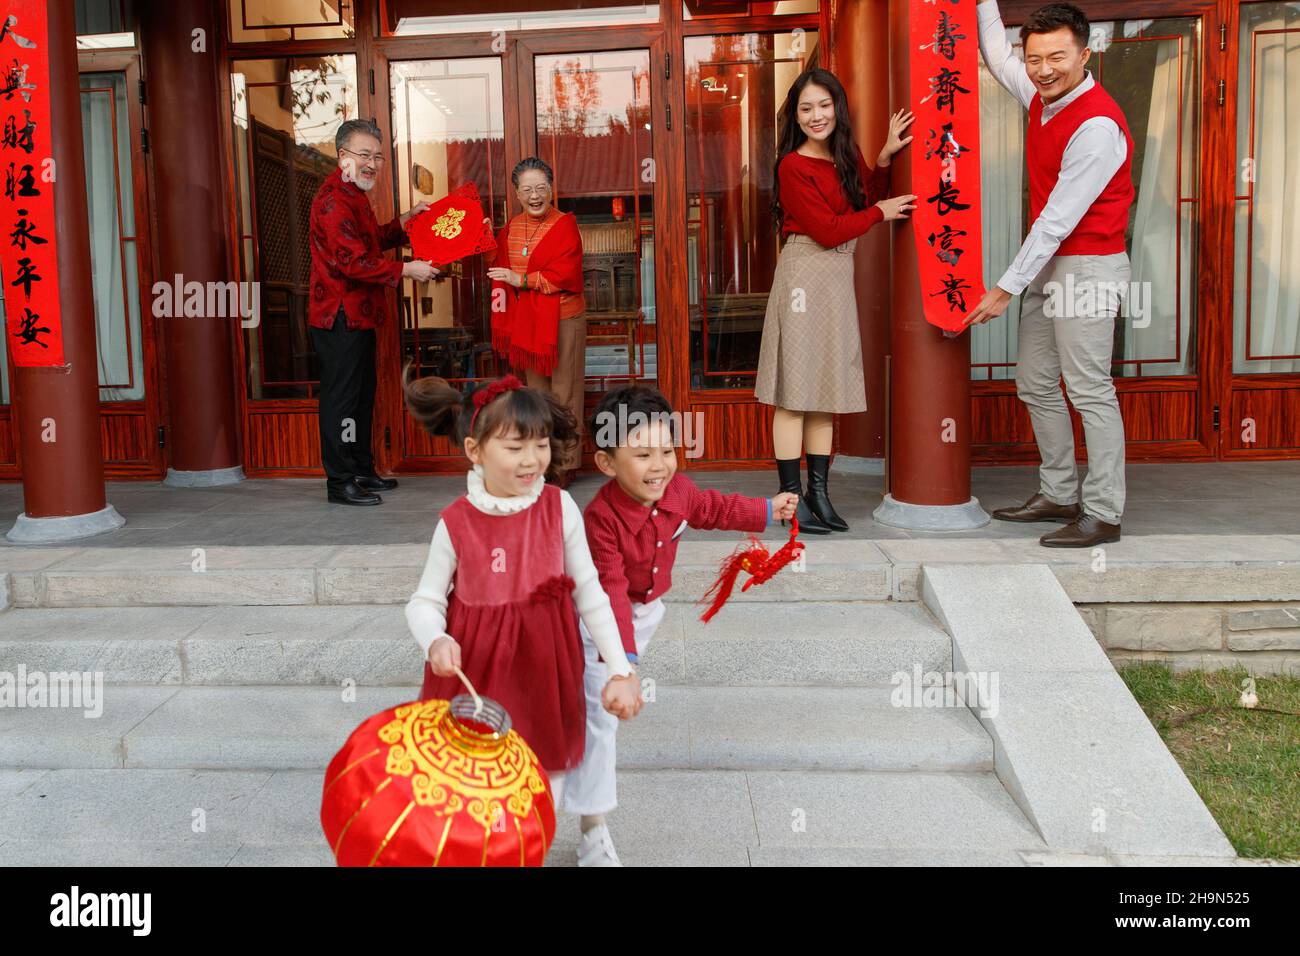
<point x="634" y="547"/>
<point x="347" y="265"/>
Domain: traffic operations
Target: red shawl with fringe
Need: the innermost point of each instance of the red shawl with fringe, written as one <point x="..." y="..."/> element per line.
<point x="525" y="322"/>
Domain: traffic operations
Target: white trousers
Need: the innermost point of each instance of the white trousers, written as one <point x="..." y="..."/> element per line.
<point x="590" y="787"/>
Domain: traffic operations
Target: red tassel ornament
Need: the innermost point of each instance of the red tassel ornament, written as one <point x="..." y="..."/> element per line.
<point x="752" y="558"/>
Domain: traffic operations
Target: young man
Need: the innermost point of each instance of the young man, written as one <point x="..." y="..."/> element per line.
<point x="633" y="525"/>
<point x="1072" y="268"/>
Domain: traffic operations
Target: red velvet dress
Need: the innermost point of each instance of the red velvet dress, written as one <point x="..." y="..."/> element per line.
<point x="511" y="610"/>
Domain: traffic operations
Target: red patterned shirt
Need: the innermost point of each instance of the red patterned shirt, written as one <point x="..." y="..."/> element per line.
<point x="634" y="546"/>
<point x="348" y="268"/>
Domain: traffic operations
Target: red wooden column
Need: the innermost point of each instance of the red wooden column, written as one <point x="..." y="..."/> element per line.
<point x="184" y="111"/>
<point x="930" y="417"/>
<point x="56" y="409"/>
<point x="861" y="62"/>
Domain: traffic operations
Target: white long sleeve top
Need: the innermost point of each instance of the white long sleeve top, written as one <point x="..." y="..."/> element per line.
<point x="1094" y="154"/>
<point x="426" y="611"/>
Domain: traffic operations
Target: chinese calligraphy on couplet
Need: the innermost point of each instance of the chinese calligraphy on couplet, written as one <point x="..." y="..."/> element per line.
<point x="945" y="158"/>
<point x="28" y="258"/>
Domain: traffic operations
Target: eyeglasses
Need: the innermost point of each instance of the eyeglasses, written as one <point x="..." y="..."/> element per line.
<point x="531" y="191"/>
<point x="366" y="158"/>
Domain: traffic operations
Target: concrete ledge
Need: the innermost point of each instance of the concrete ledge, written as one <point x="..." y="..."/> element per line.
<point x="1071" y="745"/>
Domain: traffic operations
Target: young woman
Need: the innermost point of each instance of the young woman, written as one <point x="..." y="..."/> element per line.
<point x="810" y="364"/>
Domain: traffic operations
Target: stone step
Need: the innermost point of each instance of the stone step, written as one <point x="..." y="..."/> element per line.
<point x="758" y="643"/>
<point x="731" y="818"/>
<point x="836" y="570"/>
<point x="682" y="728"/>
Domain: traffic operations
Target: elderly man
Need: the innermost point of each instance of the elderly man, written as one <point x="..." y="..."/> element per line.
<point x="350" y="277"/>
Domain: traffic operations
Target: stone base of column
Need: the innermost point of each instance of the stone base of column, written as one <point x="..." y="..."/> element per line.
<point x="204" y="479"/>
<point x="851" y="465"/>
<point x="50" y="530"/>
<point x="900" y="514"/>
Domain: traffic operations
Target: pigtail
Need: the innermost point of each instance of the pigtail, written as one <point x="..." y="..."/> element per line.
<point x="433" y="402"/>
<point x="565" y="437"/>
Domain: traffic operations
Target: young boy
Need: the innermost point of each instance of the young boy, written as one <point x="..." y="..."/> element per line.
<point x="633" y="525"/>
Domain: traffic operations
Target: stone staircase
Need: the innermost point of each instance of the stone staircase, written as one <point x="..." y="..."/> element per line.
<point x="773" y="736"/>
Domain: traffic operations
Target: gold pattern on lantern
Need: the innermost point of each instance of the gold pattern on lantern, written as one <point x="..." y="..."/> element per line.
<point x="453" y="769"/>
<point x="448" y="224"/>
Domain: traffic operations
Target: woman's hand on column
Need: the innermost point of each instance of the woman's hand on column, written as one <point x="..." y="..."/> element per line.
<point x="896" y="207"/>
<point x="895" y="141"/>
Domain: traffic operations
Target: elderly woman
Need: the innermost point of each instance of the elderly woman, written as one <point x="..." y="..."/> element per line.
<point x="537" y="304"/>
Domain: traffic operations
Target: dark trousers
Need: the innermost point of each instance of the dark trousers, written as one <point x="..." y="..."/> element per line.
<point x="347" y="400"/>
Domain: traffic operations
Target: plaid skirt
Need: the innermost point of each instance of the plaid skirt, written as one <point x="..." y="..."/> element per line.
<point x="811" y="356"/>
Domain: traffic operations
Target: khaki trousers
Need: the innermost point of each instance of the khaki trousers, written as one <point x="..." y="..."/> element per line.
<point x="1067" y="331"/>
<point x="567" y="382"/>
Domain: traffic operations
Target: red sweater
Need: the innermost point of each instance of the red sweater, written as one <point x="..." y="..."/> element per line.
<point x="347" y="265"/>
<point x="813" y="203"/>
<point x="634" y="547"/>
<point x="1101" y="230"/>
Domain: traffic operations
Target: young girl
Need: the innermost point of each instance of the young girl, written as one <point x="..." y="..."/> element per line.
<point x="513" y="553"/>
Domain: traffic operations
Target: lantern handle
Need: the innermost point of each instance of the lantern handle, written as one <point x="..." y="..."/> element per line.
<point x="478" y="701"/>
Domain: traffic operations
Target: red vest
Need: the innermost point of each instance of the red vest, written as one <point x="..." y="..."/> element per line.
<point x="1101" y="230"/>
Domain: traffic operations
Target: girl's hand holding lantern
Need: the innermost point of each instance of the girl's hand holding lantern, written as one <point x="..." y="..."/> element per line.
<point x="444" y="656"/>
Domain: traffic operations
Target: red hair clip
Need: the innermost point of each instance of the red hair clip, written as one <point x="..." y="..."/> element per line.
<point x="489" y="392"/>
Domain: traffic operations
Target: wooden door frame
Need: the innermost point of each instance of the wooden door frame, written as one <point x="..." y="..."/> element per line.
<point x="152" y="405"/>
<point x="1214" y="242"/>
<point x="518" y="91"/>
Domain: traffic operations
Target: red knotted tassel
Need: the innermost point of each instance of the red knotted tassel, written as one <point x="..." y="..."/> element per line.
<point x="754" y="559"/>
<point x="789" y="552"/>
<point x="746" y="557"/>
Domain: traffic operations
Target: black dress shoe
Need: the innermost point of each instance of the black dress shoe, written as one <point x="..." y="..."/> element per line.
<point x="353" y="494"/>
<point x="1084" y="531"/>
<point x="1039" y="508"/>
<point x="788" y="471"/>
<point x="375" y="483"/>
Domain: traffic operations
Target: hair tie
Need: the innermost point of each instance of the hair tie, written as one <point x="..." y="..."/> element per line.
<point x="488" y="393"/>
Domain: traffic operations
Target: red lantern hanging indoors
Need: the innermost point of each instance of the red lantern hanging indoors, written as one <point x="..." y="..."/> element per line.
<point x="429" y="783"/>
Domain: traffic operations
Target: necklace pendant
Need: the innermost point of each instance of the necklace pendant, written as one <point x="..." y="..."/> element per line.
<point x="525" y="250"/>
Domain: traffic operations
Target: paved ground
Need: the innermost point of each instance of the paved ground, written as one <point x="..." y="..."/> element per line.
<point x="1214" y="498"/>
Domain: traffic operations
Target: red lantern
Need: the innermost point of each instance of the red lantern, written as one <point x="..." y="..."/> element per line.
<point x="430" y="784"/>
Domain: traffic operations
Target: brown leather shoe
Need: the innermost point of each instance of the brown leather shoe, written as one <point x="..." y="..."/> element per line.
<point x="1084" y="531"/>
<point x="1039" y="508"/>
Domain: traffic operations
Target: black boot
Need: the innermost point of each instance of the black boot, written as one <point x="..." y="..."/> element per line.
<point x="819" y="502"/>
<point x="788" y="471"/>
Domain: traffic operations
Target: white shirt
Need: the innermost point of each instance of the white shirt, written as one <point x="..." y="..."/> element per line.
<point x="426" y="612"/>
<point x="1093" y="156"/>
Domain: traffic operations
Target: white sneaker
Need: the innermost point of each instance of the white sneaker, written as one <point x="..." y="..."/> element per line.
<point x="597" y="848"/>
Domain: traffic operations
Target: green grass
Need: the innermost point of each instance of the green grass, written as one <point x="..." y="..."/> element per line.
<point x="1245" y="764"/>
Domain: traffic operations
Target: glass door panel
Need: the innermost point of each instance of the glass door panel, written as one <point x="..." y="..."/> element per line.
<point x="449" y="130"/>
<point x="110" y="200"/>
<point x="1152" y="69"/>
<point x="1266" y="329"/>
<point x="734" y="87"/>
<point x="594" y="129"/>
